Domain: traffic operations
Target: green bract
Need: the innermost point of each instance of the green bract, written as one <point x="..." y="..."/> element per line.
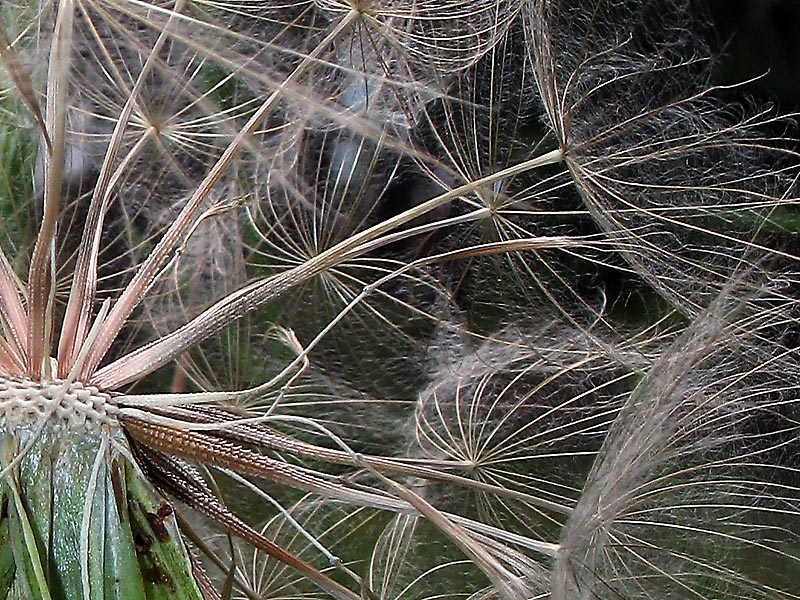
<point x="79" y="519"/>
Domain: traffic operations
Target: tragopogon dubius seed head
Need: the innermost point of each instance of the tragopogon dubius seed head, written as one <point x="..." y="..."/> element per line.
<point x="390" y="300"/>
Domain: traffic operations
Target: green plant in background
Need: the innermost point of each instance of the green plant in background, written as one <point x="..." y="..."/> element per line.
<point x="491" y="299"/>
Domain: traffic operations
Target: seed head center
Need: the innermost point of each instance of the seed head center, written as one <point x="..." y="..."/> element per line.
<point x="68" y="406"/>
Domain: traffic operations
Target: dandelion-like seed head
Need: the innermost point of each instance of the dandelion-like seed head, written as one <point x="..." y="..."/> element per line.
<point x="486" y="299"/>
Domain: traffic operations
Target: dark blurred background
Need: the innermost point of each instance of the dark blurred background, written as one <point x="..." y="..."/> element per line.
<point x="759" y="37"/>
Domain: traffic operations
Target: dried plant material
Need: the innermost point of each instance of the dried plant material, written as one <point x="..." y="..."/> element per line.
<point x="391" y="300"/>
